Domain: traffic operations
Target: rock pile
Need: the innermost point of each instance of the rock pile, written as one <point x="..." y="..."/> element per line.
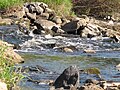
<point x="43" y="20"/>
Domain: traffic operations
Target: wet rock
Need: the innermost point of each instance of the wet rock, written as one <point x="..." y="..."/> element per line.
<point x="3" y="86"/>
<point x="70" y="27"/>
<point x="92" y="81"/>
<point x="70" y="76"/>
<point x="90" y="87"/>
<point x="67" y="50"/>
<point x="109" y="85"/>
<point x="89" y="51"/>
<point x="112" y="88"/>
<point x="118" y="67"/>
<point x="57" y="20"/>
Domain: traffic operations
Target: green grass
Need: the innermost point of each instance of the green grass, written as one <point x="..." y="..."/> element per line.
<point x="7" y="72"/>
<point x="61" y="7"/>
<point x="9" y="3"/>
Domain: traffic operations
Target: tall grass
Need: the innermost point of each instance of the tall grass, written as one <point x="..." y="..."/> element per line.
<point x="7" y="72"/>
<point x="61" y="7"/>
<point x="9" y="3"/>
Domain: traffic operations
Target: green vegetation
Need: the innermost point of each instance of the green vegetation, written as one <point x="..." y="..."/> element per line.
<point x="7" y="72"/>
<point x="9" y="3"/>
<point x="61" y="7"/>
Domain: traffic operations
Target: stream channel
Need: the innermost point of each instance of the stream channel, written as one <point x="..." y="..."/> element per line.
<point x="43" y="52"/>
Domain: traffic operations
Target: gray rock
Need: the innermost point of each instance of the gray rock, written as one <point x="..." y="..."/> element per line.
<point x="45" y="23"/>
<point x="70" y="76"/>
<point x="31" y="16"/>
<point x="44" y="16"/>
<point x="57" y="20"/>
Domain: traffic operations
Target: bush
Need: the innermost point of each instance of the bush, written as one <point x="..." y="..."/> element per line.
<point x="97" y="8"/>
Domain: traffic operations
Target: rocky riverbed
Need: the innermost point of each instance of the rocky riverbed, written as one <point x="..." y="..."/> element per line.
<point x="83" y="41"/>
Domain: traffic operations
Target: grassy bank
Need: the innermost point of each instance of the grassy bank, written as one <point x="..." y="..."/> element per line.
<point x="61" y="7"/>
<point x="7" y="72"/>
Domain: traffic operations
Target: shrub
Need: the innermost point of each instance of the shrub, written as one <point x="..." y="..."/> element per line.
<point x="97" y="8"/>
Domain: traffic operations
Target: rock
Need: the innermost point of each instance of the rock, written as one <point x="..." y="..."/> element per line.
<point x="43" y="5"/>
<point x="90" y="31"/>
<point x="3" y="86"/>
<point x="10" y="54"/>
<point x="90" y="87"/>
<point x="67" y="50"/>
<point x="48" y="10"/>
<point x="118" y="67"/>
<point x="70" y="76"/>
<point x="92" y="81"/>
<point x="39" y="10"/>
<point x="89" y="51"/>
<point x="45" y="24"/>
<point x="57" y="20"/>
<point x="70" y="27"/>
<point x="111" y="85"/>
<point x="31" y="16"/>
<point x="44" y="16"/>
<point x="112" y="88"/>
<point x="5" y="21"/>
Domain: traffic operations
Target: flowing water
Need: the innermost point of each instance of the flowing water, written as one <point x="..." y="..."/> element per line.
<point x="47" y="53"/>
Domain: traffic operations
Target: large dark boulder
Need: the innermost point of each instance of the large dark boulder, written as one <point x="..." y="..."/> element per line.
<point x="70" y="76"/>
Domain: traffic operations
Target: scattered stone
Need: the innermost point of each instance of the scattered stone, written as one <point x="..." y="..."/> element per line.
<point x="92" y="81"/>
<point x="90" y="87"/>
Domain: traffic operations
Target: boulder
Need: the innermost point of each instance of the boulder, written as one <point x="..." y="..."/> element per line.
<point x="44" y="23"/>
<point x="3" y="86"/>
<point x="5" y="21"/>
<point x="67" y="49"/>
<point x="90" y="31"/>
<point x="9" y="53"/>
<point x="70" y="27"/>
<point x="31" y="16"/>
<point x="70" y="76"/>
<point x="57" y="20"/>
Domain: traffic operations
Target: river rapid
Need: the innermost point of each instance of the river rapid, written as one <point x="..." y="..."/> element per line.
<point x="47" y="52"/>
